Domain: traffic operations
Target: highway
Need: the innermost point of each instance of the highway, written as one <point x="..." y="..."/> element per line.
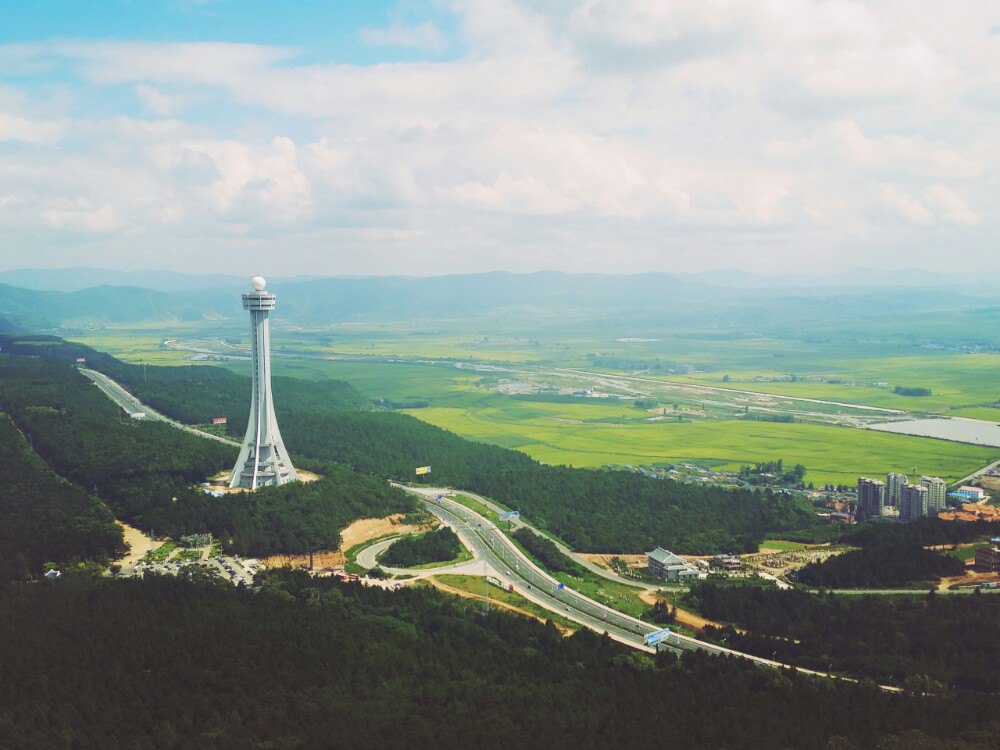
<point x="513" y="567"/>
<point x="132" y="405"/>
<point x="510" y="565"/>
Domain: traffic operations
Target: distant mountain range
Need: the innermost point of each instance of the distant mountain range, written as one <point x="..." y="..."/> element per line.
<point x="81" y="296"/>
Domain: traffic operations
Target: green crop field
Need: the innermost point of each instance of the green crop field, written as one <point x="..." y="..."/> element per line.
<point x="835" y="455"/>
<point x="592" y="432"/>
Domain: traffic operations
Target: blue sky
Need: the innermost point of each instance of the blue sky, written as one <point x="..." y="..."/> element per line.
<point x="471" y="135"/>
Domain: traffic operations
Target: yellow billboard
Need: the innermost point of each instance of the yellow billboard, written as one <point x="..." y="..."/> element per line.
<point x="421" y="470"/>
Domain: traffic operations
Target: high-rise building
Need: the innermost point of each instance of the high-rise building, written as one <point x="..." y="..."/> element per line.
<point x="893" y="484"/>
<point x="263" y="459"/>
<point x="937" y="494"/>
<point x="912" y="502"/>
<point x="871" y="498"/>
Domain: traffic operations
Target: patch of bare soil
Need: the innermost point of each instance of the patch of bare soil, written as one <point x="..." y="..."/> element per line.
<point x="685" y="618"/>
<point x="358" y="532"/>
<point x="138" y="544"/>
<point x="633" y="561"/>
<point x="321" y="560"/>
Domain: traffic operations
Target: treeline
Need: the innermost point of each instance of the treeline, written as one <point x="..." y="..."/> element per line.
<point x="316" y="663"/>
<point x="592" y="510"/>
<point x="893" y="554"/>
<point x="883" y="566"/>
<point x="146" y="471"/>
<point x="905" y="391"/>
<point x="938" y="642"/>
<point x="44" y="518"/>
<point x="924" y="532"/>
<point x="546" y="553"/>
<point x="440" y="545"/>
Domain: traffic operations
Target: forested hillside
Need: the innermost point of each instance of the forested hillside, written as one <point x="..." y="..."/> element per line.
<point x="146" y="470"/>
<point x="44" y="518"/>
<point x="953" y="640"/>
<point x="313" y="663"/>
<point x="593" y="510"/>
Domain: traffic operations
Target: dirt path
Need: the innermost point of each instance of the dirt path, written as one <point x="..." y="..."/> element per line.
<point x="360" y="531"/>
<point x="493" y="603"/>
<point x="138" y="544"/>
<point x="685" y="618"/>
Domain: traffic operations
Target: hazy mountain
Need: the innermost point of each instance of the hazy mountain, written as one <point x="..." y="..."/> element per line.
<point x="544" y="295"/>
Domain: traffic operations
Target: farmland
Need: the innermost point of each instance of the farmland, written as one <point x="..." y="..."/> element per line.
<point x="704" y="427"/>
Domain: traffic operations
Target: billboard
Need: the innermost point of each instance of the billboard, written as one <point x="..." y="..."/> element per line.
<point x="660" y="635"/>
<point x="421" y="470"/>
<point x="80" y="360"/>
<point x="219" y="420"/>
<point x="513" y="515"/>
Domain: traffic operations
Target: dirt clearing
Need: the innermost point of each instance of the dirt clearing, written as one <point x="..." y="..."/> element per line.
<point x="138" y="544"/>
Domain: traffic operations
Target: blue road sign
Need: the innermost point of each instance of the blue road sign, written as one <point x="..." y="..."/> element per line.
<point x="561" y="586"/>
<point x="512" y="515"/>
<point x="660" y="635"/>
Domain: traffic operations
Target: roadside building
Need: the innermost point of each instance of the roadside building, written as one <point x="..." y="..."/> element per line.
<point x="937" y="494"/>
<point x="893" y="487"/>
<point x="912" y="502"/>
<point x="871" y="498"/>
<point x="668" y="566"/>
<point x="988" y="559"/>
<point x="726" y="562"/>
<point x="965" y="492"/>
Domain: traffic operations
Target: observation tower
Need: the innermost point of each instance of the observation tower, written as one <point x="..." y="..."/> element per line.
<point x="263" y="459"/>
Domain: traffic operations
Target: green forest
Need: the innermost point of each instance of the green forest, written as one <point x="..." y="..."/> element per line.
<point x="440" y="545"/>
<point x="937" y="642"/>
<point x="592" y="510"/>
<point x="44" y="518"/>
<point x="315" y="663"/>
<point x="892" y="555"/>
<point x="146" y="472"/>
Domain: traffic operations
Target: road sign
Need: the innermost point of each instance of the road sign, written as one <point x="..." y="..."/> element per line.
<point x="220" y="420"/>
<point x="660" y="635"/>
<point x="512" y="515"/>
<point x="561" y="586"/>
<point x="421" y="470"/>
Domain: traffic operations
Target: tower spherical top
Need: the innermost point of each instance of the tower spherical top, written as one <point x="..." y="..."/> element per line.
<point x="258" y="283"/>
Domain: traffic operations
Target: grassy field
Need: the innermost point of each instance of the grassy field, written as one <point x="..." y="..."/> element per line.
<point x="478" y="586"/>
<point x="831" y="454"/>
<point x="782" y="545"/>
<point x="595" y="433"/>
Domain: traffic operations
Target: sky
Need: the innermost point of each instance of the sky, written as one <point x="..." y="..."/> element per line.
<point x="457" y="136"/>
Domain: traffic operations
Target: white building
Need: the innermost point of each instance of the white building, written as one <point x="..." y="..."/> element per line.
<point x="668" y="566"/>
<point x="937" y="494"/>
<point x="912" y="502"/>
<point x="893" y="485"/>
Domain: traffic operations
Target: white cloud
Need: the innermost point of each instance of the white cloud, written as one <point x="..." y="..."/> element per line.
<point x="423" y="36"/>
<point x="82" y="218"/>
<point x="652" y="132"/>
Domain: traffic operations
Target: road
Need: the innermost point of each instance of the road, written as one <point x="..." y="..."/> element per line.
<point x="132" y="405"/>
<point x="513" y="568"/>
<point x="576" y="557"/>
<point x="509" y="564"/>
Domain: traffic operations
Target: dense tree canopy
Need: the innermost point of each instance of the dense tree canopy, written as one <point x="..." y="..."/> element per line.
<point x="440" y="545"/>
<point x="593" y="510"/>
<point x="44" y="518"/>
<point x="314" y="663"/>
<point x="147" y="472"/>
<point x="953" y="639"/>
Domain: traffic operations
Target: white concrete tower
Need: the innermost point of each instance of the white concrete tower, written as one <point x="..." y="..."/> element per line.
<point x="263" y="459"/>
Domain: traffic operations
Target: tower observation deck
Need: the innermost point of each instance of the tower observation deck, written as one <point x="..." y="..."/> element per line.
<point x="263" y="459"/>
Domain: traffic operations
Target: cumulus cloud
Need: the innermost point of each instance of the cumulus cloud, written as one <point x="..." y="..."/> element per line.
<point x="624" y="135"/>
<point x="423" y="36"/>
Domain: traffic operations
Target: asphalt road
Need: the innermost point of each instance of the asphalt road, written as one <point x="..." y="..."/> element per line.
<point x="512" y="567"/>
<point x="490" y="545"/>
<point x="131" y="404"/>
